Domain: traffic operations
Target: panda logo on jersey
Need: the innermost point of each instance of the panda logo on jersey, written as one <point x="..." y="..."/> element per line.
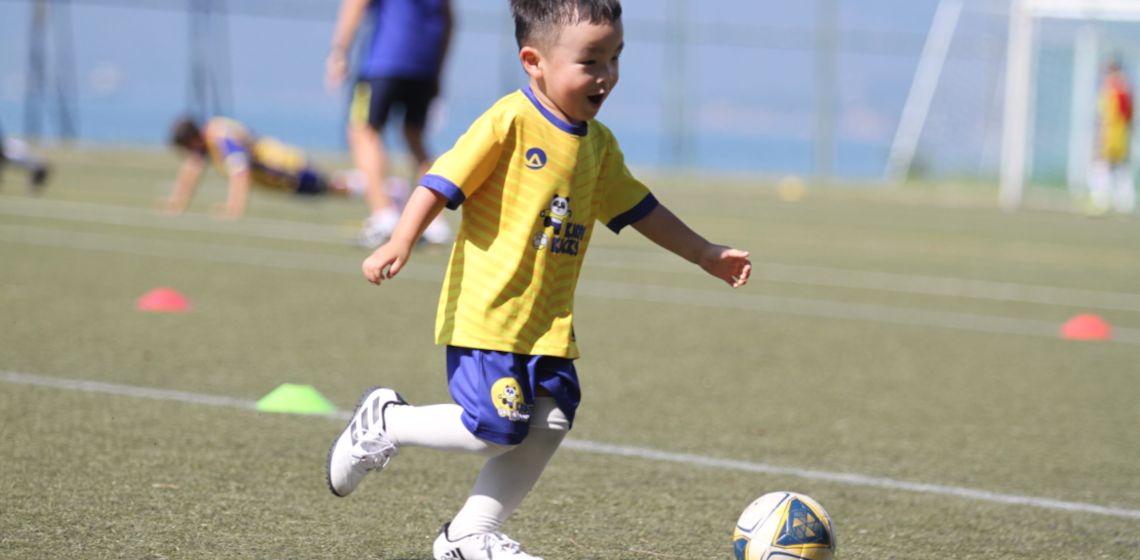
<point x="559" y="211"/>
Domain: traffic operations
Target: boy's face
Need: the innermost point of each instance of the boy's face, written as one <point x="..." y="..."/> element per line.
<point x="580" y="70"/>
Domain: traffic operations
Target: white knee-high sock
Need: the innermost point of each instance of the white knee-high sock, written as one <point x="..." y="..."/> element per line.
<point x="437" y="427"/>
<point x="507" y="479"/>
<point x="504" y="482"/>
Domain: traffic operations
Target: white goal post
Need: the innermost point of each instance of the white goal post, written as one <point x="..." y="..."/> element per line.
<point x="1024" y="15"/>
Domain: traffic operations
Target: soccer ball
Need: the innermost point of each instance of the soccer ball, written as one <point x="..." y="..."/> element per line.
<point x="784" y="526"/>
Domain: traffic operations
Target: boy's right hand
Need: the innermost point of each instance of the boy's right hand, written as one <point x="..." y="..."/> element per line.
<point x="422" y="207"/>
<point x="391" y="255"/>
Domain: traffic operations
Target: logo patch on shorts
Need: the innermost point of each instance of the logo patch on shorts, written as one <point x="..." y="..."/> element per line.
<point x="508" y="398"/>
<point x="535" y="158"/>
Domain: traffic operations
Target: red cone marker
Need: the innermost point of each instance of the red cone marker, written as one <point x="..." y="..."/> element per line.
<point x="1086" y="326"/>
<point x="164" y="300"/>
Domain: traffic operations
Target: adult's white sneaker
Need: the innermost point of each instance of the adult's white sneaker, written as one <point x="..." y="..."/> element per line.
<point x="438" y="232"/>
<point x="481" y="546"/>
<point x="378" y="227"/>
<point x="363" y="446"/>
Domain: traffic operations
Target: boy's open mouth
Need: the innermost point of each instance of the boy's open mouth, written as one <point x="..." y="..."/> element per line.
<point x="596" y="100"/>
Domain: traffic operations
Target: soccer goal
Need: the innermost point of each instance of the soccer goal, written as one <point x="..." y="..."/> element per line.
<point x="1095" y="30"/>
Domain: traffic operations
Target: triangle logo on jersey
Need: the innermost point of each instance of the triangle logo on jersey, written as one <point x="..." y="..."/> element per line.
<point x="535" y="158"/>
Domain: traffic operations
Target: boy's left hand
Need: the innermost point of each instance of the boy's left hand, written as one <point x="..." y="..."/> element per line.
<point x="726" y="263"/>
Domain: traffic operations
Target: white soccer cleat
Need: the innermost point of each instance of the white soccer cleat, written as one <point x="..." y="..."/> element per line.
<point x="482" y="546"/>
<point x="363" y="446"/>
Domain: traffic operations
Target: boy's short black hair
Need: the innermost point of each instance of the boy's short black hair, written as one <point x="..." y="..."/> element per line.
<point x="185" y="133"/>
<point x="537" y="22"/>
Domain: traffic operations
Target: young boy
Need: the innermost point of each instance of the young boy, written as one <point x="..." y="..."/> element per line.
<point x="533" y="175"/>
<point x="244" y="159"/>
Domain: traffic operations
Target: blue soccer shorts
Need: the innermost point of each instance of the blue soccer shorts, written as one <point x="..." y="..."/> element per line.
<point x="497" y="390"/>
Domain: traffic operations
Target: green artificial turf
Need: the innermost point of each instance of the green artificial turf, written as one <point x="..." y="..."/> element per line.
<point x="278" y="298"/>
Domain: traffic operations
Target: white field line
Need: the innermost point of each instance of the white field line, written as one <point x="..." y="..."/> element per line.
<point x="619" y="450"/>
<point x="590" y="288"/>
<point x="882" y="281"/>
<point x="845" y="478"/>
<point x="835" y="310"/>
<point x="628" y="260"/>
<point x="128" y="390"/>
<point x="138" y="217"/>
<point x="200" y="251"/>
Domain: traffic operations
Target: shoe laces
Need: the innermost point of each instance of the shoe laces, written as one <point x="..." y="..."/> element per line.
<point x="373" y="451"/>
<point x="497" y="545"/>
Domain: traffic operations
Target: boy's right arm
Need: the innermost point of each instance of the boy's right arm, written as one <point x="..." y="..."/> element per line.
<point x="469" y="163"/>
<point x="423" y="206"/>
<point x="184" y="186"/>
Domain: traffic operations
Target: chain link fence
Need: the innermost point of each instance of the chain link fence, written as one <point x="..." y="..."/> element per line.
<point x="754" y="86"/>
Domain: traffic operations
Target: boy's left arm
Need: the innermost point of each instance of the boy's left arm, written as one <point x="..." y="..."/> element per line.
<point x="234" y="206"/>
<point x="667" y="230"/>
<point x="188" y="176"/>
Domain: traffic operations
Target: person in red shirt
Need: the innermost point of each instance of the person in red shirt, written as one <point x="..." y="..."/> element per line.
<point x="1111" y="184"/>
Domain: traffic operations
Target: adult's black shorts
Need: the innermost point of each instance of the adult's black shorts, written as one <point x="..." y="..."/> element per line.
<point x="374" y="98"/>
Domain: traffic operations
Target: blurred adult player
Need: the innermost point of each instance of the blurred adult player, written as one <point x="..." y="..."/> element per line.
<point x="400" y="68"/>
<point x="246" y="159"/>
<point x="1111" y="185"/>
<point x="18" y="152"/>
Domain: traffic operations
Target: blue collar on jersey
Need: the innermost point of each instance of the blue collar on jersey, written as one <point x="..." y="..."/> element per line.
<point x="576" y="129"/>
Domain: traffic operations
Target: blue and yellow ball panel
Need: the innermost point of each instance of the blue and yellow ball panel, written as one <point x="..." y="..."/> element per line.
<point x="740" y="543"/>
<point x="804" y="531"/>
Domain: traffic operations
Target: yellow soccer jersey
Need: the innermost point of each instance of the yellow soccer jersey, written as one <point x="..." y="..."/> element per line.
<point x="269" y="161"/>
<point x="532" y="187"/>
<point x="1115" y="107"/>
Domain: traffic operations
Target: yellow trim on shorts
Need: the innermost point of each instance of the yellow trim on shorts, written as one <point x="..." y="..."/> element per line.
<point x="361" y="104"/>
